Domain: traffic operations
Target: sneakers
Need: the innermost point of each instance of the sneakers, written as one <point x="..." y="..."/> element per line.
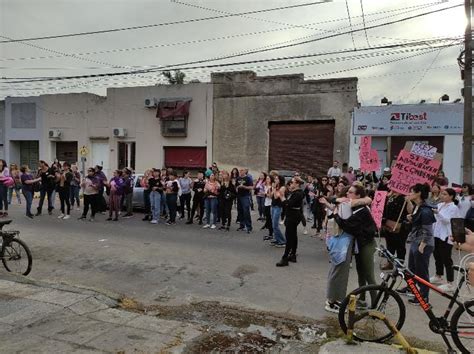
<point x="447" y="288"/>
<point x="206" y="226"/>
<point x="267" y="238"/>
<point x="240" y="229"/>
<point x="305" y="231"/>
<point x="405" y="291"/>
<point x="213" y="226"/>
<point x="67" y="217"/>
<point x="154" y="221"/>
<point x="332" y="307"/>
<point x="61" y="216"/>
<point x="436" y="279"/>
<point x="415" y="302"/>
<point x="109" y="219"/>
<point x="170" y="223"/>
<point x="91" y="219"/>
<point x="30" y="216"/>
<point x="280" y="245"/>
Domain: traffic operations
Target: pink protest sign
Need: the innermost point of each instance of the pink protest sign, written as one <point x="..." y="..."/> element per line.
<point x="411" y="169"/>
<point x="369" y="160"/>
<point x="365" y="143"/>
<point x="377" y="207"/>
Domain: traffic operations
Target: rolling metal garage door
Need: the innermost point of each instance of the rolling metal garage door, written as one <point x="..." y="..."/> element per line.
<point x="305" y="147"/>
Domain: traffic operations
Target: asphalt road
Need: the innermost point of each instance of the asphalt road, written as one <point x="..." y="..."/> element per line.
<point x="182" y="263"/>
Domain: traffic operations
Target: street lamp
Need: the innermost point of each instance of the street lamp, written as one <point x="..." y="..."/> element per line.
<point x="445" y="97"/>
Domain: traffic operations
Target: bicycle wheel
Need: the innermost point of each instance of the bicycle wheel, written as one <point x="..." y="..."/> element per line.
<point x="371" y="329"/>
<point x="462" y="327"/>
<point x="16" y="257"/>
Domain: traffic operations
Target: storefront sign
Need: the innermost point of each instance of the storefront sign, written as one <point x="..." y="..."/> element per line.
<point x="377" y="207"/>
<point x="411" y="169"/>
<point x="422" y="119"/>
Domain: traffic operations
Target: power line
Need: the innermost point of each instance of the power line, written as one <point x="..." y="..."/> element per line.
<point x="363" y="21"/>
<point x="350" y="23"/>
<point x="165" y="23"/>
<point x="183" y="67"/>
<point x="250" y="52"/>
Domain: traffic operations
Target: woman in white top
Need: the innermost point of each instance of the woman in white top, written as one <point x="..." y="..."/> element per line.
<point x="465" y="199"/>
<point x="446" y="210"/>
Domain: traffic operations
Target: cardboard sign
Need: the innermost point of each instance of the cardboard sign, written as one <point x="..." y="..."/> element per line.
<point x="377" y="207"/>
<point x="365" y="143"/>
<point x="424" y="150"/>
<point x="410" y="169"/>
<point x="369" y="161"/>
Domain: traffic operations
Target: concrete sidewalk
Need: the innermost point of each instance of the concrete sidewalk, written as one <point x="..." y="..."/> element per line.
<point x="40" y="317"/>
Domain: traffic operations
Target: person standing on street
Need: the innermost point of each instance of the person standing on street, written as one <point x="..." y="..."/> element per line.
<point x="63" y="186"/>
<point x="15" y="174"/>
<point x="172" y="189"/>
<point x="155" y="188"/>
<point x="334" y="171"/>
<point x="128" y="192"/>
<point x="90" y="185"/>
<point x="101" y="203"/>
<point x="75" y="187"/>
<point x="185" y="197"/>
<point x="244" y="188"/>
<point x="115" y="187"/>
<point x="292" y="219"/>
<point x="198" y="198"/>
<point x="47" y="186"/>
<point x="27" y="182"/>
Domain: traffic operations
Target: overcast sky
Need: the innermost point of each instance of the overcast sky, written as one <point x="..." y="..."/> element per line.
<point x="403" y="75"/>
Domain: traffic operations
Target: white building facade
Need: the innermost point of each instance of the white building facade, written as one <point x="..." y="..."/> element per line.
<point x="138" y="127"/>
<point x="439" y="125"/>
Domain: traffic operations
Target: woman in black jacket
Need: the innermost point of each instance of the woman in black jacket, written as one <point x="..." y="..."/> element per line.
<point x="227" y="194"/>
<point x="292" y="218"/>
<point x="361" y="225"/>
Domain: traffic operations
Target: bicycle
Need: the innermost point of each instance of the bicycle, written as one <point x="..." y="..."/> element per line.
<point x="15" y="254"/>
<point x="385" y="300"/>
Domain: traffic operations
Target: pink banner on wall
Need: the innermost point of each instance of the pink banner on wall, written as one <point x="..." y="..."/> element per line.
<point x="411" y="169"/>
<point x="377" y="207"/>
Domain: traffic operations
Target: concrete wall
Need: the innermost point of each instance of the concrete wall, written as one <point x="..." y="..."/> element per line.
<point x="244" y="104"/>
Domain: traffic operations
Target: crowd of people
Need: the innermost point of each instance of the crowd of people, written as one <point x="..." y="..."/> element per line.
<point x="336" y="206"/>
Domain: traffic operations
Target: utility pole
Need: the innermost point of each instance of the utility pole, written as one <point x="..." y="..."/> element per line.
<point x="467" y="136"/>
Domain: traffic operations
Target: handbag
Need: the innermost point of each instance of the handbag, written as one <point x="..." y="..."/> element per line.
<point x="393" y="226"/>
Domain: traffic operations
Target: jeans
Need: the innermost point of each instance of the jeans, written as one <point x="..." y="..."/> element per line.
<point x="419" y="263"/>
<point x="211" y="208"/>
<point x="43" y="193"/>
<point x="3" y="197"/>
<point x="17" y="189"/>
<point x="276" y="212"/>
<point x="29" y="201"/>
<point x="172" y="202"/>
<point x="261" y="206"/>
<point x="74" y="195"/>
<point x="164" y="206"/>
<point x="245" y="220"/>
<point x="155" y="202"/>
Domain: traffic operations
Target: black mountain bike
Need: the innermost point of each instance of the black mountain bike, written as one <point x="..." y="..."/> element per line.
<point x="384" y="299"/>
<point x="15" y="254"/>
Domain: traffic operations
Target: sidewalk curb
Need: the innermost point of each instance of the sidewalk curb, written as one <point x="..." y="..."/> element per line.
<point x="108" y="298"/>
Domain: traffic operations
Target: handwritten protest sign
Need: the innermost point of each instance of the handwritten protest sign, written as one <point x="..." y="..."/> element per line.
<point x="377" y="207"/>
<point x="365" y="143"/>
<point x="411" y="169"/>
<point x="369" y="160"/>
<point x="424" y="150"/>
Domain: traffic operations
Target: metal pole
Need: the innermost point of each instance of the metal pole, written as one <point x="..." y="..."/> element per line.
<point x="467" y="137"/>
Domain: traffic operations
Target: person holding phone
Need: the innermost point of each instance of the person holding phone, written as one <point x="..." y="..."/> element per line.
<point x="445" y="211"/>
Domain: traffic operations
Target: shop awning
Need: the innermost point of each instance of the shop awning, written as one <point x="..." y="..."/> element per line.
<point x="173" y="108"/>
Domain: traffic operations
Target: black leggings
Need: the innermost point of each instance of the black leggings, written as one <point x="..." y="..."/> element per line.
<point x="291" y="238"/>
<point x="90" y="200"/>
<point x="225" y="207"/>
<point x="396" y="243"/>
<point x="197" y="202"/>
<point x="268" y="220"/>
<point x="443" y="259"/>
<point x="185" y="199"/>
<point x="64" y="194"/>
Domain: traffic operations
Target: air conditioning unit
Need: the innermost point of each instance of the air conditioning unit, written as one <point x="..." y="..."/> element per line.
<point x="54" y="133"/>
<point x="120" y="132"/>
<point x="150" y="103"/>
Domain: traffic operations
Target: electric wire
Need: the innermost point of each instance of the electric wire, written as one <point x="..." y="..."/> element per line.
<point x="164" y="23"/>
